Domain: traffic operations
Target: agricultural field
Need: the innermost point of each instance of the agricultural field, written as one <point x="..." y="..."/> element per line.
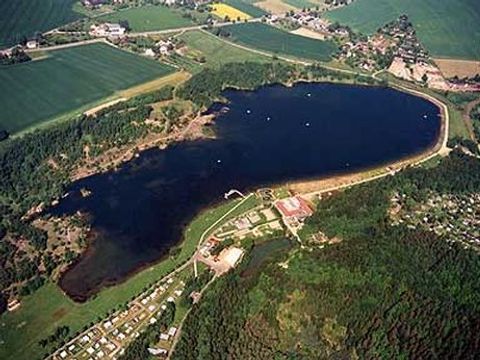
<point x="149" y="18"/>
<point x="460" y="68"/>
<point x="215" y="51"/>
<point x="300" y="4"/>
<point x="447" y="28"/>
<point x="275" y="6"/>
<point x="223" y="11"/>
<point x="67" y="80"/>
<point x="271" y="39"/>
<point x="22" y="18"/>
<point x="246" y="7"/>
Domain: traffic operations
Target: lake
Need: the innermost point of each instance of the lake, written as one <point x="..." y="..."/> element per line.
<point x="271" y="135"/>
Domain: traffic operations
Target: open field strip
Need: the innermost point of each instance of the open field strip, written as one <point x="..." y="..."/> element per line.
<point x="48" y="307"/>
<point x="301" y="4"/>
<point x="275" y="6"/>
<point x="247" y="8"/>
<point x="460" y="68"/>
<point x="447" y="28"/>
<point x="69" y="79"/>
<point x="22" y="18"/>
<point x="308" y="33"/>
<point x="172" y="79"/>
<point x="148" y="18"/>
<point x="223" y="11"/>
<point x="277" y="41"/>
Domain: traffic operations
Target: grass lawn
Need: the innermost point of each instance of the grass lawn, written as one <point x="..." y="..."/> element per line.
<point x="34" y="92"/>
<point x="246" y="7"/>
<point x="216" y="51"/>
<point x="271" y="39"/>
<point x="48" y="308"/>
<point x="21" y="18"/>
<point x="448" y="28"/>
<point x="149" y="18"/>
<point x="300" y="4"/>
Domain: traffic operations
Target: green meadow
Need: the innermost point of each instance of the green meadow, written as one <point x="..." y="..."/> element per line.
<point x="447" y="28"/>
<point x="215" y="51"/>
<point x="149" y="18"/>
<point x="270" y="39"/>
<point x="22" y="18"/>
<point x="34" y="92"/>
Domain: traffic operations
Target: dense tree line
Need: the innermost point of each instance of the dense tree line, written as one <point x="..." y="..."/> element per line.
<point x="383" y="291"/>
<point x="475" y="116"/>
<point x="207" y="86"/>
<point x="57" y="338"/>
<point x="17" y="56"/>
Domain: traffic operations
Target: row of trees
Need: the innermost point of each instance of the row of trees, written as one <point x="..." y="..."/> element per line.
<point x="206" y="87"/>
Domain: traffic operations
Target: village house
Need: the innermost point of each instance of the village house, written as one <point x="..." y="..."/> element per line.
<point x="91" y="4"/>
<point x="165" y="47"/>
<point x="149" y="52"/>
<point x="107" y="29"/>
<point x="32" y="44"/>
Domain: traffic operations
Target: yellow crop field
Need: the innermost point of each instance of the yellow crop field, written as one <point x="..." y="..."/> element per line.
<point x="222" y="10"/>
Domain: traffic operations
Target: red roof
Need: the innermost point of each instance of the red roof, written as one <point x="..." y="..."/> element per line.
<point x="294" y="207"/>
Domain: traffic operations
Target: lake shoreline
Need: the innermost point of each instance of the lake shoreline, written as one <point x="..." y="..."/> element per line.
<point x="295" y="185"/>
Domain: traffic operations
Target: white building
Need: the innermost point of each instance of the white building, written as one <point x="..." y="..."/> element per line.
<point x="149" y="52"/>
<point x="107" y="29"/>
<point x="32" y="44"/>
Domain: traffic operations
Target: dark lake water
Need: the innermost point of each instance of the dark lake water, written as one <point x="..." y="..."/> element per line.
<point x="268" y="136"/>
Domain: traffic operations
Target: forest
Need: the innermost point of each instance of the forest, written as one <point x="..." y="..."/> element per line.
<point x="379" y="292"/>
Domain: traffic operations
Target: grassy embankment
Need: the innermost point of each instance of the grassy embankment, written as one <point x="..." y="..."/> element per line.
<point x="67" y="80"/>
<point x="49" y="307"/>
<point x="447" y="28"/>
<point x="270" y="39"/>
<point x="149" y="18"/>
<point x="22" y="18"/>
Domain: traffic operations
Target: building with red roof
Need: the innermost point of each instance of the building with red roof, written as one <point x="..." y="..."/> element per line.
<point x="294" y="207"/>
